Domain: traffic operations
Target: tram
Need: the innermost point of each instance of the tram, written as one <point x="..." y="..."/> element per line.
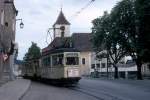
<point x="57" y="66"/>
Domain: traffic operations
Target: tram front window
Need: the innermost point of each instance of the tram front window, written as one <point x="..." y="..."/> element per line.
<point x="57" y="60"/>
<point x="72" y="61"/>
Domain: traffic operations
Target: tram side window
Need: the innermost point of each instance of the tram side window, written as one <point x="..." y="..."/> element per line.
<point x="72" y="61"/>
<point x="57" y="60"/>
<point x="46" y="61"/>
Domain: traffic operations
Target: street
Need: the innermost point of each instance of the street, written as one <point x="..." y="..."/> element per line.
<point x="91" y="89"/>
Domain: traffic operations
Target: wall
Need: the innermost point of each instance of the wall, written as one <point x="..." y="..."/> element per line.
<point x="1" y="26"/>
<point x="1" y="35"/>
<point x="7" y="33"/>
<point x="10" y="18"/>
<point x="85" y="68"/>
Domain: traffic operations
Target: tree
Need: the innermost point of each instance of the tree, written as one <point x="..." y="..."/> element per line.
<point x="142" y="8"/>
<point x="127" y="26"/>
<point x="33" y="52"/>
<point x="106" y="39"/>
<point x="129" y="16"/>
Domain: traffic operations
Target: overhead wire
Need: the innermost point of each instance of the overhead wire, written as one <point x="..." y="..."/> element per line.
<point x="83" y="8"/>
<point x="49" y="33"/>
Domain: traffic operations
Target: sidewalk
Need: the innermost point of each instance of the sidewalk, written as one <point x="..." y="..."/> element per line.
<point x="14" y="90"/>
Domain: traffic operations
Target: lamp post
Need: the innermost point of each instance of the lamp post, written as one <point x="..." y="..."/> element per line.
<point x="21" y="23"/>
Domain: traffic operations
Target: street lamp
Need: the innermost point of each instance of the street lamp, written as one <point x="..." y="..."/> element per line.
<point x="21" y="23"/>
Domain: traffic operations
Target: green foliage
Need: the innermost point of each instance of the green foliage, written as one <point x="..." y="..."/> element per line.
<point x="143" y="13"/>
<point x="124" y="25"/>
<point x="106" y="38"/>
<point x="33" y="52"/>
<point x="128" y="27"/>
<point x="100" y="30"/>
<point x="132" y="24"/>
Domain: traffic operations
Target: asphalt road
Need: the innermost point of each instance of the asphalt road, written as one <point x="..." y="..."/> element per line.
<point x="91" y="89"/>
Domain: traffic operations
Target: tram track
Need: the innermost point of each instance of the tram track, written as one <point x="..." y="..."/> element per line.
<point x="86" y="93"/>
<point x="99" y="95"/>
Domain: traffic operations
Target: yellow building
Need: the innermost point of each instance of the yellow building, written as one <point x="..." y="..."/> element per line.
<point x="79" y="41"/>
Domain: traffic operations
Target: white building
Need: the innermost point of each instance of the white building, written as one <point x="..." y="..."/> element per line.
<point x="103" y="67"/>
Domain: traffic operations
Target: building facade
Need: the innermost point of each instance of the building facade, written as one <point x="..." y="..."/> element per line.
<point x="104" y="68"/>
<point x="8" y="15"/>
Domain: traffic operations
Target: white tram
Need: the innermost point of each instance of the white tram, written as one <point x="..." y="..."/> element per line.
<point x="58" y="65"/>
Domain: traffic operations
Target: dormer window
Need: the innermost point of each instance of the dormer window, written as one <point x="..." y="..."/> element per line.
<point x="62" y="28"/>
<point x="6" y="24"/>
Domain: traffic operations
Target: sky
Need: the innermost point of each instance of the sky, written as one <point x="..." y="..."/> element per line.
<point x="39" y="15"/>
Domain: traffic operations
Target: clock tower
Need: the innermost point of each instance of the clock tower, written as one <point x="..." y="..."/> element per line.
<point x="61" y="26"/>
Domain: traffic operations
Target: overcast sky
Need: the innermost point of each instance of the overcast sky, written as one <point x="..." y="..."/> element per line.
<point x="39" y="15"/>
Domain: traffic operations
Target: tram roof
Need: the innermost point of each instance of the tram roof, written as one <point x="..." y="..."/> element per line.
<point x="60" y="50"/>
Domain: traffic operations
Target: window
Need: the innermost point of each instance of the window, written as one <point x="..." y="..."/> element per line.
<point x="93" y="66"/>
<point x="109" y="64"/>
<point x="62" y="28"/>
<point x="103" y="65"/>
<point x="6" y="24"/>
<point x="2" y="17"/>
<point x="98" y="65"/>
<point x="83" y="61"/>
<point x="57" y="60"/>
<point x="72" y="61"/>
<point x="46" y="61"/>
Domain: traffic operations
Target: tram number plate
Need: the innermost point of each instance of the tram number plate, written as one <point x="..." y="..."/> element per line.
<point x="73" y="72"/>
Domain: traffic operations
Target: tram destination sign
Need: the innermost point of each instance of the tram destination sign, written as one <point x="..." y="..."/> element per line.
<point x="73" y="72"/>
<point x="72" y="55"/>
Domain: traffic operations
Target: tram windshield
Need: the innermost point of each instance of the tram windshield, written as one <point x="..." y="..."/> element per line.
<point x="72" y="59"/>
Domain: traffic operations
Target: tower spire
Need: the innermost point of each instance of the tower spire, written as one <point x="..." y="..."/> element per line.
<point x="61" y="19"/>
<point x="61" y="6"/>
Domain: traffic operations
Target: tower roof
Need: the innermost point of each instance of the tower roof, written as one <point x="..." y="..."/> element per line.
<point x="61" y="19"/>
